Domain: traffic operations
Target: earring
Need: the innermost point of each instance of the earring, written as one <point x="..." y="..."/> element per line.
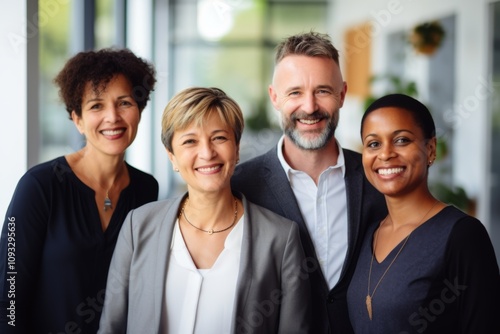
<point x="176" y="170"/>
<point x="430" y="162"/>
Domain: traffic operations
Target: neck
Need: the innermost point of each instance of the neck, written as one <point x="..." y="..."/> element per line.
<point x="312" y="162"/>
<point x="102" y="170"/>
<point x="411" y="211"/>
<point x="210" y="211"/>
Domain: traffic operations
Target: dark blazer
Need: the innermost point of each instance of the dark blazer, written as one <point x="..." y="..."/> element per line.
<point x="272" y="293"/>
<point x="264" y="182"/>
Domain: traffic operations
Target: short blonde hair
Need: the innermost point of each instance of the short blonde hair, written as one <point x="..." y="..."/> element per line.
<point x="196" y="104"/>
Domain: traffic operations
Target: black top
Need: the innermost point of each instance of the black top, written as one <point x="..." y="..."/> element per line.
<point x="445" y="280"/>
<point x="54" y="255"/>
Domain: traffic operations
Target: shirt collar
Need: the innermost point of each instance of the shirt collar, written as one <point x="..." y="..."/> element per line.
<point x="340" y="159"/>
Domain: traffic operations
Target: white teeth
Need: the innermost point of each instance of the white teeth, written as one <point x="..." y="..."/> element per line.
<point x="112" y="132"/>
<point x="309" y="121"/>
<point x="389" y="171"/>
<point x="208" y="169"/>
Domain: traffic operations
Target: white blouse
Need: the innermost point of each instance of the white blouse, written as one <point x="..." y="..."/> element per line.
<point x="201" y="300"/>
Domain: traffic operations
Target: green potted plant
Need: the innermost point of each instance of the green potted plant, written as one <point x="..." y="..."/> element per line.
<point x="427" y="37"/>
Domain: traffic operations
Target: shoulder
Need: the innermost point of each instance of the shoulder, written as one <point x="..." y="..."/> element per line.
<point x="251" y="172"/>
<point x="267" y="219"/>
<point x="469" y="247"/>
<point x="467" y="235"/>
<point x="152" y="210"/>
<point x="141" y="176"/>
<point x="464" y="225"/>
<point x="143" y="185"/>
<point x="53" y="166"/>
<point x="151" y="218"/>
<point x="258" y="161"/>
<point x="351" y="155"/>
<point x="44" y="173"/>
<point x="352" y="160"/>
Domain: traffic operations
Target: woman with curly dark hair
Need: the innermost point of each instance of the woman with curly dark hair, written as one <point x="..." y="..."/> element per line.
<point x="63" y="221"/>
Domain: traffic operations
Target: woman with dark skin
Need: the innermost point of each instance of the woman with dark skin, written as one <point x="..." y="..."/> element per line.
<point x="62" y="224"/>
<point x="427" y="267"/>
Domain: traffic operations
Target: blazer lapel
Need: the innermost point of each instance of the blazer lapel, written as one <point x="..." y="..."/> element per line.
<point x="162" y="256"/>
<point x="354" y="193"/>
<point x="246" y="269"/>
<point x="274" y="175"/>
<point x="287" y="206"/>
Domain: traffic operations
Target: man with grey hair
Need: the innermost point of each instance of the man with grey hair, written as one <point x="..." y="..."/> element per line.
<point x="310" y="179"/>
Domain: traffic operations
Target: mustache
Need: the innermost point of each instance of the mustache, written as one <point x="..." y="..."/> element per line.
<point x="315" y="115"/>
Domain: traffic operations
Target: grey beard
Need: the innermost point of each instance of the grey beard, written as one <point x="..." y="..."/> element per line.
<point x="310" y="144"/>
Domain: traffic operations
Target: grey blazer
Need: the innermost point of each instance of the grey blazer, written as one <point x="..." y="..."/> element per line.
<point x="264" y="182"/>
<point x="273" y="289"/>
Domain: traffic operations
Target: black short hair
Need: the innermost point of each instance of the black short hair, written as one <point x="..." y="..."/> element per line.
<point x="419" y="111"/>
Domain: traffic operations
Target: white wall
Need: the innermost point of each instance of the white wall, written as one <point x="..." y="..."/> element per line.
<point x="13" y="88"/>
<point x="139" y="39"/>
<point x="470" y="120"/>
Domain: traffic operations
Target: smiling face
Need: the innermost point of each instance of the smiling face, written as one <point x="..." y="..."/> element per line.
<point x="308" y="92"/>
<point x="396" y="155"/>
<point x="110" y="118"/>
<point x="205" y="155"/>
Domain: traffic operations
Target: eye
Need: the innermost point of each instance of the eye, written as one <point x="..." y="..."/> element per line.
<point x="189" y="142"/>
<point x="125" y="103"/>
<point x="373" y="144"/>
<point x="95" y="106"/>
<point x="294" y="93"/>
<point x="324" y="92"/>
<point x="220" y="139"/>
<point x="402" y="141"/>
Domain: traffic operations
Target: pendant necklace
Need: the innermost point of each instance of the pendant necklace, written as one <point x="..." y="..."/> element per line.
<point x="368" y="295"/>
<point x="107" y="201"/>
<point x="211" y="230"/>
<point x="108" y="204"/>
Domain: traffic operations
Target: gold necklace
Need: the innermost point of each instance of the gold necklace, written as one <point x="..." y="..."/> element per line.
<point x="368" y="296"/>
<point x="209" y="231"/>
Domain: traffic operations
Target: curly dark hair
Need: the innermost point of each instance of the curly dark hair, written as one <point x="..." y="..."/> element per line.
<point x="98" y="68"/>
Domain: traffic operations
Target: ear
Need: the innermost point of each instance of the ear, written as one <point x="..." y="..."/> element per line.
<point x="172" y="159"/>
<point x="273" y="95"/>
<point x="77" y="121"/>
<point x="342" y="94"/>
<point x="431" y="149"/>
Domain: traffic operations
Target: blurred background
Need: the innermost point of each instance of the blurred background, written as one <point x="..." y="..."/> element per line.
<point x="445" y="53"/>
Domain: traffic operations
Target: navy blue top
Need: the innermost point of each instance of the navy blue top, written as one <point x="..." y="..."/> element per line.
<point x="445" y="280"/>
<point x="54" y="255"/>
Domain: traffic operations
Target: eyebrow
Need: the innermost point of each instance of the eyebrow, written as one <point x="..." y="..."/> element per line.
<point x="98" y="99"/>
<point x="212" y="133"/>
<point x="393" y="133"/>
<point x="291" y="89"/>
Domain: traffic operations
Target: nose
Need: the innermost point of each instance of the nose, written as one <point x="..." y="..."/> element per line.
<point x="207" y="151"/>
<point x="113" y="114"/>
<point x="310" y="104"/>
<point x="386" y="152"/>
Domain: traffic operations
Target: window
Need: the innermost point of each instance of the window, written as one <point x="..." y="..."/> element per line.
<point x="63" y="32"/>
<point x="230" y="45"/>
<point x="494" y="213"/>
